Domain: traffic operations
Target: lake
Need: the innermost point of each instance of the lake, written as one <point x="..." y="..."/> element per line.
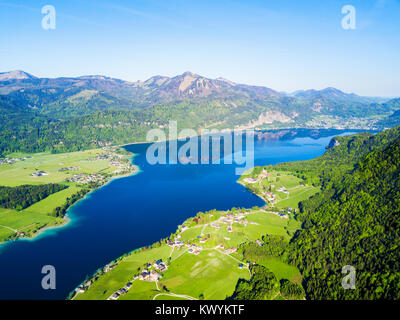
<point x="135" y="211"/>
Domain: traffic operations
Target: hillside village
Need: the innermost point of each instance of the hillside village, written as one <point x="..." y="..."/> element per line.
<point x="204" y="233"/>
<point x="281" y="191"/>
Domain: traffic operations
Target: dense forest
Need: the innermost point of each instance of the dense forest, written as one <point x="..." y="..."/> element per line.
<point x="263" y="285"/>
<point x="21" y="197"/>
<point x="354" y="220"/>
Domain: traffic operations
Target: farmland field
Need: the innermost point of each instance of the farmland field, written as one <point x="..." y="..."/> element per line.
<point x="57" y="168"/>
<point x="212" y="273"/>
<point x="279" y="188"/>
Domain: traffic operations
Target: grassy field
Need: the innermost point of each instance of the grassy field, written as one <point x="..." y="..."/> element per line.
<point x="279" y="188"/>
<point x="27" y="223"/>
<point x="20" y="172"/>
<point x="123" y="273"/>
<point x="211" y="274"/>
<point x="35" y="217"/>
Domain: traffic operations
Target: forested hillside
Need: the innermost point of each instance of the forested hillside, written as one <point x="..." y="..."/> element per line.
<point x="354" y="220"/>
<point x="70" y="114"/>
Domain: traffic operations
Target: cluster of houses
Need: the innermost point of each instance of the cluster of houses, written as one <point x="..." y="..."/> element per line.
<point x="122" y="166"/>
<point x="120" y="292"/>
<point x="150" y="273"/>
<point x="229" y="219"/>
<point x="193" y="249"/>
<point x="68" y="169"/>
<point x="40" y="173"/>
<point x="12" y="160"/>
<point x="87" y="178"/>
<point x="270" y="196"/>
<point x="175" y="243"/>
<point x="147" y="274"/>
<point x="282" y="189"/>
<point x="262" y="175"/>
<point x="250" y="180"/>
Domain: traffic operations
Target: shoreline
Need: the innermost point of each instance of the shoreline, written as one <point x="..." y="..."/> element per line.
<point x="73" y="293"/>
<point x="256" y="194"/>
<point x="66" y="220"/>
<point x="256" y="130"/>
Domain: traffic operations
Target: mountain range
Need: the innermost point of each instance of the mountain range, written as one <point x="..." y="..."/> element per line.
<point x="103" y="105"/>
<point x="164" y="89"/>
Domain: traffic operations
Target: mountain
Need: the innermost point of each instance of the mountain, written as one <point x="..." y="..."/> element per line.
<point x="393" y="119"/>
<point x="193" y="86"/>
<point x="327" y="93"/>
<point x="248" y="105"/>
<point x="112" y="111"/>
<point x="156" y="89"/>
<point x="15" y="75"/>
<point x="334" y="94"/>
<point x="186" y="85"/>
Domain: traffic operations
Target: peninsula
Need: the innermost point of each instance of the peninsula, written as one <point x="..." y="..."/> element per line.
<point x="36" y="190"/>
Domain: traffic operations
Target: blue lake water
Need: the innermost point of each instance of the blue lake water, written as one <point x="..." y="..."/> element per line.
<point x="135" y="211"/>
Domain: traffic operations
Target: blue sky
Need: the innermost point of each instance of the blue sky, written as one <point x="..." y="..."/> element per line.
<point x="285" y="45"/>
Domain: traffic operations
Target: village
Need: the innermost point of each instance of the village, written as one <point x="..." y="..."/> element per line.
<point x="279" y="197"/>
<point x="154" y="271"/>
<point x="150" y="273"/>
<point x="7" y="160"/>
<point x="84" y="178"/>
<point x="213" y="235"/>
<point x="116" y="161"/>
<point x="207" y="245"/>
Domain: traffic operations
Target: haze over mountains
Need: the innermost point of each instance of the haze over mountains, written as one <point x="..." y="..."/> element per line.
<point x="107" y="110"/>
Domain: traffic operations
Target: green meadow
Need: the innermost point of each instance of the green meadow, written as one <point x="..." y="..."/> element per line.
<point x="295" y="188"/>
<point x="127" y="267"/>
<point x="211" y="274"/>
<point x="37" y="216"/>
<point x="20" y="172"/>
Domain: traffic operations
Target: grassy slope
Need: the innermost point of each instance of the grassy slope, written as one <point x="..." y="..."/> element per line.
<point x="36" y="216"/>
<point x="212" y="273"/>
<point x="21" y="172"/>
<point x="294" y="185"/>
